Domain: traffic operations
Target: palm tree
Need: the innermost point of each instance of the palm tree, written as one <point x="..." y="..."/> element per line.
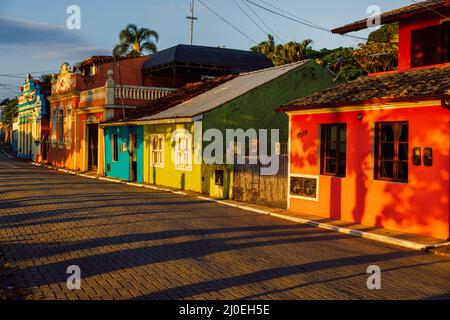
<point x="135" y="41"/>
<point x="282" y="54"/>
<point x="266" y="48"/>
<point x="46" y="78"/>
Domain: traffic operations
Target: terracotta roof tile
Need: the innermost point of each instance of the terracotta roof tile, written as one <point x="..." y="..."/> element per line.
<point x="396" y="14"/>
<point x="177" y="97"/>
<point x="415" y="84"/>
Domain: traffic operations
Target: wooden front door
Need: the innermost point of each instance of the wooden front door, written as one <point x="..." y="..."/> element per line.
<point x="92" y="147"/>
<point x="133" y="157"/>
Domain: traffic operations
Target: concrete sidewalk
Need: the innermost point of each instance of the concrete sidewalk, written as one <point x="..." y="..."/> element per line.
<point x="405" y="240"/>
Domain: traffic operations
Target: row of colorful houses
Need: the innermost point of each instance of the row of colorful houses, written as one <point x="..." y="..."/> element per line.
<point x="373" y="151"/>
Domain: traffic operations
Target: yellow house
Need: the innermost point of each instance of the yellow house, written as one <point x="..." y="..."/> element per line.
<point x="168" y="156"/>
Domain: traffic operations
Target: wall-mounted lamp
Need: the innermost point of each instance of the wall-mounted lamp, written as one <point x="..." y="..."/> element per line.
<point x="360" y="116"/>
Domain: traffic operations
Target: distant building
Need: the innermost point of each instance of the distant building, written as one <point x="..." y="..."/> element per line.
<point x="33" y="128"/>
<point x="14" y="134"/>
<point x="2" y="129"/>
<point x="176" y="66"/>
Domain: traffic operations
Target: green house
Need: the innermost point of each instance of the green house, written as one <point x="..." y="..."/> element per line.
<point x="175" y="140"/>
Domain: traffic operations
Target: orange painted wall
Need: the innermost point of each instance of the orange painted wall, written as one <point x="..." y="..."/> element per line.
<point x="81" y="141"/>
<point x="58" y="155"/>
<point x="420" y="206"/>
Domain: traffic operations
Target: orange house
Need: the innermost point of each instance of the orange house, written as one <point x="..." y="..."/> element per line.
<point x="96" y="90"/>
<point x="375" y="151"/>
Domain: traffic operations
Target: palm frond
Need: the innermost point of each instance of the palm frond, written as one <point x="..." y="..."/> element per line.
<point x="149" y="46"/>
<point x="121" y="50"/>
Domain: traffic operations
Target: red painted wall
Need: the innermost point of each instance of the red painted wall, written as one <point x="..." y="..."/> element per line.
<point x="420" y="206"/>
<point x="406" y="27"/>
<point x="130" y="74"/>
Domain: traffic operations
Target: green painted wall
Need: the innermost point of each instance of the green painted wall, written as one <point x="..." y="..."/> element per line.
<point x="169" y="176"/>
<point x="256" y="109"/>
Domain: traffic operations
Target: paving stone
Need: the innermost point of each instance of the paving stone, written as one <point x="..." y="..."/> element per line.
<point x="133" y="243"/>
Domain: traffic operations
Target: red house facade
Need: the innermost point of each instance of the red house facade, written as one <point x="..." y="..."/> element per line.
<point x="375" y="151"/>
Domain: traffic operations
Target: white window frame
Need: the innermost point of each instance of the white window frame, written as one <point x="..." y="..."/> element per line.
<point x="159" y="152"/>
<point x="61" y="126"/>
<point x="54" y="124"/>
<point x="68" y="125"/>
<point x="183" y="152"/>
<point x="306" y="176"/>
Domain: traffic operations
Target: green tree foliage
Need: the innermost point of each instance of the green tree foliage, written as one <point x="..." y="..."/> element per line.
<point x="377" y="56"/>
<point x="135" y="42"/>
<point x="297" y="51"/>
<point x="283" y="54"/>
<point x="349" y="68"/>
<point x="9" y="112"/>
<point x="387" y="33"/>
<point x="380" y="53"/>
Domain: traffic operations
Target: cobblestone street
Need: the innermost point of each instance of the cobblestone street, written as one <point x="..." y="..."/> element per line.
<point x="132" y="243"/>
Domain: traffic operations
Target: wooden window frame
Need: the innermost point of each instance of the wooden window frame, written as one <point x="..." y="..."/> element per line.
<point x="183" y="157"/>
<point x="68" y="126"/>
<point x="444" y="30"/>
<point x="154" y="151"/>
<point x="397" y="143"/>
<point x="61" y="126"/>
<point x="325" y="150"/>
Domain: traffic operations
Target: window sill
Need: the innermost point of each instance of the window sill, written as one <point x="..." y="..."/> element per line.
<point x="391" y="181"/>
<point x="184" y="169"/>
<point x="332" y="176"/>
<point x="303" y="198"/>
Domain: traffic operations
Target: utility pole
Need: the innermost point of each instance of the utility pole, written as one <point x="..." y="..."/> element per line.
<point x="192" y="17"/>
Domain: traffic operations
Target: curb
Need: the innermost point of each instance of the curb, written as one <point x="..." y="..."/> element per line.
<point x="131" y="184"/>
<point x="356" y="233"/>
<point x="361" y="234"/>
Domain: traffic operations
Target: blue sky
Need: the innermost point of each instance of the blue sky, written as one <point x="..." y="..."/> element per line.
<point x="34" y="37"/>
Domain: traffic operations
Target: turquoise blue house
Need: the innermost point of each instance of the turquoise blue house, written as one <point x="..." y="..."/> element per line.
<point x="124" y="152"/>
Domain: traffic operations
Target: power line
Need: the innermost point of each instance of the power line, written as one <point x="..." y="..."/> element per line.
<point x="302" y="22"/>
<point x="10" y="76"/>
<point x="227" y="22"/>
<point x="32" y="72"/>
<point x="15" y="92"/>
<point x="248" y="16"/>
<point x="291" y="14"/>
<point x="263" y="22"/>
<point x="423" y="4"/>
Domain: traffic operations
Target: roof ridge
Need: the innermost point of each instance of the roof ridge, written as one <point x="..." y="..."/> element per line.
<point x="409" y="84"/>
<point x="275" y="67"/>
